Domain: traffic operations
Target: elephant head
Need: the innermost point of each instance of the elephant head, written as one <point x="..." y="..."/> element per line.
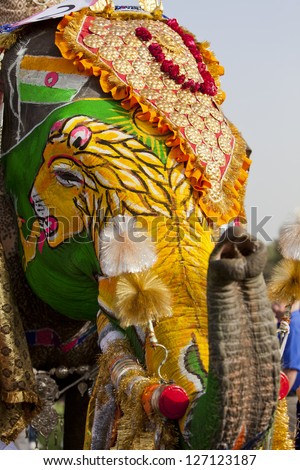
<point x="117" y="192"/>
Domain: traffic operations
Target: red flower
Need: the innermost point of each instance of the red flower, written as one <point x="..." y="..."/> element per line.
<point x="201" y="67"/>
<point x="196" y="53"/>
<point x="188" y="84"/>
<point x="195" y="87"/>
<point x="209" y="88"/>
<point x="188" y="40"/>
<point x="173" y="71"/>
<point x="180" y="79"/>
<point x="206" y="75"/>
<point x="166" y="65"/>
<point x="155" y="49"/>
<point x="173" y="24"/>
<point x="160" y="57"/>
<point x="143" y="34"/>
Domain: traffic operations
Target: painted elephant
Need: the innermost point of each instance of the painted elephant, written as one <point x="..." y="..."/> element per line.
<point x="118" y="170"/>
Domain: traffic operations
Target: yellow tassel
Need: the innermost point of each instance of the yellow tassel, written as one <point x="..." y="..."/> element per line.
<point x="140" y="298"/>
<point x="8" y="40"/>
<point x="285" y="281"/>
<point x="281" y="439"/>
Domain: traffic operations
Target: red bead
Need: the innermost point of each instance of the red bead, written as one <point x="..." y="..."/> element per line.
<point x="173" y="402"/>
<point x="284" y="386"/>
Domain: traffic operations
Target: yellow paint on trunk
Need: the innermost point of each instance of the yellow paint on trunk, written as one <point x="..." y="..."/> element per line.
<point x="182" y="266"/>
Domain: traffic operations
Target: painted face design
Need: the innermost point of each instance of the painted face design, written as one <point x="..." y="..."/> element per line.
<point x="91" y="171"/>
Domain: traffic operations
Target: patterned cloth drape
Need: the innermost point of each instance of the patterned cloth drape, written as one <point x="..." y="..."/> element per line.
<point x="18" y="399"/>
<point x="12" y="11"/>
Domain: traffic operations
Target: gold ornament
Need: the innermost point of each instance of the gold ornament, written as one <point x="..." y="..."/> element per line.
<point x="102" y="5"/>
<point x="281" y="439"/>
<point x="151" y="5"/>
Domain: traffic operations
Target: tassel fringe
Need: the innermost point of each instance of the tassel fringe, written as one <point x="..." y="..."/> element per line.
<point x="141" y="298"/>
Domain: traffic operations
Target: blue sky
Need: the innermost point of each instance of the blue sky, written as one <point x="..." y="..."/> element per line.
<point x="258" y="43"/>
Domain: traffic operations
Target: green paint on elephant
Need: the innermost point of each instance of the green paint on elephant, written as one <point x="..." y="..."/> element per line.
<point x="205" y="427"/>
<point x="194" y="364"/>
<point x="64" y="275"/>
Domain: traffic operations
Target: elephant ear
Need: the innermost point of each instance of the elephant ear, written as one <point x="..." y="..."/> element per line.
<point x="174" y="80"/>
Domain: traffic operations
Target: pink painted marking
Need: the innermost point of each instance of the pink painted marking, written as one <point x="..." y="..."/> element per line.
<point x="52" y="225"/>
<point x="51" y="79"/>
<point x="57" y="126"/>
<point x="81" y="132"/>
<point x="42" y="239"/>
<point x="68" y="157"/>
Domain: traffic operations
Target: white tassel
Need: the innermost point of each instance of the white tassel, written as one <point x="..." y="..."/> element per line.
<point x="125" y="248"/>
<point x="289" y="239"/>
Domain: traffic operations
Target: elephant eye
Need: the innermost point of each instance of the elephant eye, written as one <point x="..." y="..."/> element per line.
<point x="68" y="178"/>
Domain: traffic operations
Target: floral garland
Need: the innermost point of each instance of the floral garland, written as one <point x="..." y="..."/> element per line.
<point x="208" y="85"/>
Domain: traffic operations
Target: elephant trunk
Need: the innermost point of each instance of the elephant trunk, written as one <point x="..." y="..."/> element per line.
<point x="243" y="380"/>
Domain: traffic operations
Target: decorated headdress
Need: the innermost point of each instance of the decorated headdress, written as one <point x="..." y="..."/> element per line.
<point x="142" y="57"/>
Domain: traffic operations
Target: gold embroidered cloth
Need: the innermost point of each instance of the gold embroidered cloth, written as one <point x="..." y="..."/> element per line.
<point x="18" y="399"/>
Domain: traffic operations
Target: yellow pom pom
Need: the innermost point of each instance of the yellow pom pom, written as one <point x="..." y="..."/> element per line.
<point x="285" y="281"/>
<point x="141" y="297"/>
